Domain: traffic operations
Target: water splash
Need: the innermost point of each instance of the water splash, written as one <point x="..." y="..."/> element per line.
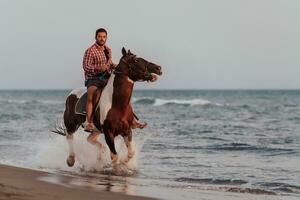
<point x="52" y="156"/>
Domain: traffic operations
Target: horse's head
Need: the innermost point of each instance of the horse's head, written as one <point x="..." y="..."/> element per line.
<point x="138" y="69"/>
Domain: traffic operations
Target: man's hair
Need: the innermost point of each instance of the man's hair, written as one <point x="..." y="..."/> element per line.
<point x="100" y="30"/>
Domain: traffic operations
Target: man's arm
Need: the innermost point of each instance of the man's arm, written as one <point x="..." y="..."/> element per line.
<point x="110" y="63"/>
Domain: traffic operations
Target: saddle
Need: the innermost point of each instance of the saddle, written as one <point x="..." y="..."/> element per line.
<point x="80" y="107"/>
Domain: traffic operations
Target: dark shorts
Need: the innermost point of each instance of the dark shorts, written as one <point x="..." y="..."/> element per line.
<point x="95" y="82"/>
<point x="99" y="81"/>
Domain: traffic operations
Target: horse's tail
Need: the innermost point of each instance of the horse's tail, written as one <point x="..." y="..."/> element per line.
<point x="60" y="129"/>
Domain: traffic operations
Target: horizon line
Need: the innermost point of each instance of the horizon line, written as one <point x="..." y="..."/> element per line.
<point x="138" y="89"/>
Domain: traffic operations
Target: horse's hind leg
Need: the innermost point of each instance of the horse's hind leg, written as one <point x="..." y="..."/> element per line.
<point x="72" y="123"/>
<point x="128" y="142"/>
<point x="71" y="129"/>
<point x="71" y="157"/>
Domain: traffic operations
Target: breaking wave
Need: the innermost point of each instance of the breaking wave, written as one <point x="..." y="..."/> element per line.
<point x="161" y="102"/>
<point x="238" y="186"/>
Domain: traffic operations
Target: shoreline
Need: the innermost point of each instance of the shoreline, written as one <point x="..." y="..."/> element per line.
<point x="24" y="184"/>
<point x="19" y="183"/>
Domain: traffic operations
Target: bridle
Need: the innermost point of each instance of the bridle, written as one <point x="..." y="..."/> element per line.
<point x="146" y="74"/>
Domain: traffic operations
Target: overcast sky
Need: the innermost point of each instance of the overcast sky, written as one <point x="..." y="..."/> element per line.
<point x="211" y="44"/>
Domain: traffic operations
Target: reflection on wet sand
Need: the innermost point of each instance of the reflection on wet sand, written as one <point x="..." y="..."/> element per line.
<point x="135" y="186"/>
<point x="96" y="182"/>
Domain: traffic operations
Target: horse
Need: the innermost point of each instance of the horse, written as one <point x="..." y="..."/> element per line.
<point x="113" y="114"/>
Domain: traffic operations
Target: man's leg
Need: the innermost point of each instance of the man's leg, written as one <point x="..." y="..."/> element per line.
<point x="90" y="108"/>
<point x="97" y="96"/>
<point x="136" y="123"/>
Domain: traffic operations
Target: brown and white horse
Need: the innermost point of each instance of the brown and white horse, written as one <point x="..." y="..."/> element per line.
<point x="114" y="115"/>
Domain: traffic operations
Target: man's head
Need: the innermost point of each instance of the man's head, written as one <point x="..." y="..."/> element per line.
<point x="101" y="36"/>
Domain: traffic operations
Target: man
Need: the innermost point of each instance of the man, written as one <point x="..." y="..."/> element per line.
<point x="97" y="65"/>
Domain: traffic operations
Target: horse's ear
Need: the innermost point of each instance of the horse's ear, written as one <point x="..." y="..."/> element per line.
<point x="129" y="52"/>
<point x="123" y="51"/>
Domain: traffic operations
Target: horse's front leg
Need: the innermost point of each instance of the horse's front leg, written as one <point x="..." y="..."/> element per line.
<point x="110" y="141"/>
<point x="92" y="139"/>
<point x="71" y="157"/>
<point x="128" y="142"/>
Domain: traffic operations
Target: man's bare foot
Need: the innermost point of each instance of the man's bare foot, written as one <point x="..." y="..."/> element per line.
<point x="90" y="127"/>
<point x="136" y="124"/>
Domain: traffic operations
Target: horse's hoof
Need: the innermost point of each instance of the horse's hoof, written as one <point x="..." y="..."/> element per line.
<point x="126" y="161"/>
<point x="71" y="161"/>
<point x="102" y="149"/>
<point x="130" y="155"/>
<point x="114" y="158"/>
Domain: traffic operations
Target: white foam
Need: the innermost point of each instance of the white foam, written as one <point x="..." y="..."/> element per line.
<point x="160" y="102"/>
<point x="192" y="102"/>
<point x="52" y="155"/>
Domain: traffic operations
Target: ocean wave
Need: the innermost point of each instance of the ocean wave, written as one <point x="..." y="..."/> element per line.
<point x="5" y="117"/>
<point x="213" y="138"/>
<point x="244" y="146"/>
<point x="234" y="146"/>
<point x="144" y="100"/>
<point x="249" y="190"/>
<point x="231" y="185"/>
<point x="212" y="181"/>
<point x="281" y="187"/>
<point x="160" y="102"/>
<point x="291" y="105"/>
<point x="31" y="101"/>
<point x="251" y="148"/>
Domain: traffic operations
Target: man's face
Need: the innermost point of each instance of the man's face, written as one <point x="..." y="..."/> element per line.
<point x="101" y="38"/>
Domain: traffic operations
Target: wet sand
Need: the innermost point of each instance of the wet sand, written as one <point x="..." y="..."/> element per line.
<point x="23" y="184"/>
<point x="26" y="184"/>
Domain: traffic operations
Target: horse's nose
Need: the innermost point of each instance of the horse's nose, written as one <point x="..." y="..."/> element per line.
<point x="159" y="70"/>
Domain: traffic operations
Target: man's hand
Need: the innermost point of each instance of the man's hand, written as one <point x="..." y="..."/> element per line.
<point x="101" y="69"/>
<point x="112" y="66"/>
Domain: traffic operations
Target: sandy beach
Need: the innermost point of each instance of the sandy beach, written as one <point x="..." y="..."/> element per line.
<point x="23" y="184"/>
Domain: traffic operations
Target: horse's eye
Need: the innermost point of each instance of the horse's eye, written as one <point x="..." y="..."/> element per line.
<point x="135" y="60"/>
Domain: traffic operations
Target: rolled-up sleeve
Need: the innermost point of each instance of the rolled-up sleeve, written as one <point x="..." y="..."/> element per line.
<point x="88" y="66"/>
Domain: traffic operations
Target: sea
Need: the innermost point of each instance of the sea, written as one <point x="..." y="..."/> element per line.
<point x="199" y="144"/>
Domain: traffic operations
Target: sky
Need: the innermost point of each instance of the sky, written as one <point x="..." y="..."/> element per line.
<point x="200" y="44"/>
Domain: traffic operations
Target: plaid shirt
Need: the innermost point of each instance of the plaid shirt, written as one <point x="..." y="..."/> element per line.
<point x="95" y="62"/>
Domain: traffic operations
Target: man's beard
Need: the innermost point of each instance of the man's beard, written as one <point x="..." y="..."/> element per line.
<point x="101" y="42"/>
